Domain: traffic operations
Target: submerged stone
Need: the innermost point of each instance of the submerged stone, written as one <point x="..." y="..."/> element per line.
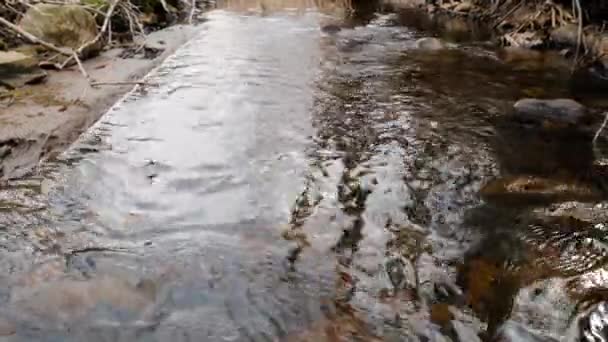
<point x="331" y="29"/>
<point x="430" y="43"/>
<point x="560" y="110"/>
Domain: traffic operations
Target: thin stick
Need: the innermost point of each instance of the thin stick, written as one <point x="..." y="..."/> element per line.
<point x="580" y="31"/>
<point x="597" y="153"/>
<point x="597" y="134"/>
<point x="104" y="27"/>
<point x="95" y="84"/>
<point x="110" y="33"/>
<point x="81" y="67"/>
<point x="192" y="11"/>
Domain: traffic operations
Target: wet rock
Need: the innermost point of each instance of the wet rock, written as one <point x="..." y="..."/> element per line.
<point x="62" y="25"/>
<point x="565" y="35"/>
<point x="558" y="110"/>
<point x="386" y="20"/>
<point x="430" y="43"/>
<point x="13" y="61"/>
<point x="18" y="69"/>
<point x="331" y="29"/>
<point x="3" y="45"/>
<point x="158" y="39"/>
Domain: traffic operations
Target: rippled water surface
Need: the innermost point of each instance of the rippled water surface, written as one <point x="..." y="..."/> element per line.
<point x="276" y="181"/>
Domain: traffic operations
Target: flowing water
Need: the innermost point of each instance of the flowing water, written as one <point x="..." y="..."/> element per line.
<point x="275" y="181"/>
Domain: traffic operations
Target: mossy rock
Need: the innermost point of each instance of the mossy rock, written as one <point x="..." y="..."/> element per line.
<point x="62" y="25"/>
<point x="3" y="45"/>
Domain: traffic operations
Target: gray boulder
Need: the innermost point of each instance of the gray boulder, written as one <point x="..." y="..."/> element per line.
<point x="556" y="110"/>
<point x="330" y="29"/>
<point x="62" y="25"/>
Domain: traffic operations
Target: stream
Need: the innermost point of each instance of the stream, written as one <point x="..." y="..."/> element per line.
<point x="280" y="180"/>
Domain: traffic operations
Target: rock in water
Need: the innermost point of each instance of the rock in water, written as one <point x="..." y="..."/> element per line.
<point x="557" y="110"/>
<point x="565" y="35"/>
<point x="330" y="29"/>
<point x="18" y="69"/>
<point x="62" y="25"/>
<point x="430" y="43"/>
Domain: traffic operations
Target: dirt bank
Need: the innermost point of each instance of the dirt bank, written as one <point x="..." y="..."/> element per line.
<point x="39" y="121"/>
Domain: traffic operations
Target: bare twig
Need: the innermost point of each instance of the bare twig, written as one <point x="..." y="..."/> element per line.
<point x="579" y="36"/>
<point x="192" y="9"/>
<point x="599" y="131"/>
<point x="110" y="33"/>
<point x="81" y="67"/>
<point x="103" y="29"/>
<point x="597" y="153"/>
<point x="95" y="84"/>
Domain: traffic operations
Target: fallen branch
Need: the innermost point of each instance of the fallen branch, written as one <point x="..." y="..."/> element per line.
<point x="596" y="151"/>
<point x="193" y="7"/>
<point x="95" y="84"/>
<point x="579" y="35"/>
<point x="81" y="67"/>
<point x="597" y="133"/>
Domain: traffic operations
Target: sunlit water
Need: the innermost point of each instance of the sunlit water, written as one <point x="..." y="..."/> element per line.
<point x="273" y="182"/>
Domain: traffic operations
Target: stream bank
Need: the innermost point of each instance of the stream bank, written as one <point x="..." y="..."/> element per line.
<point x="41" y="120"/>
<point x="535" y="25"/>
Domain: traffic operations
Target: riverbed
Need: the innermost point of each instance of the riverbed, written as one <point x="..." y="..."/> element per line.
<point x="277" y="181"/>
